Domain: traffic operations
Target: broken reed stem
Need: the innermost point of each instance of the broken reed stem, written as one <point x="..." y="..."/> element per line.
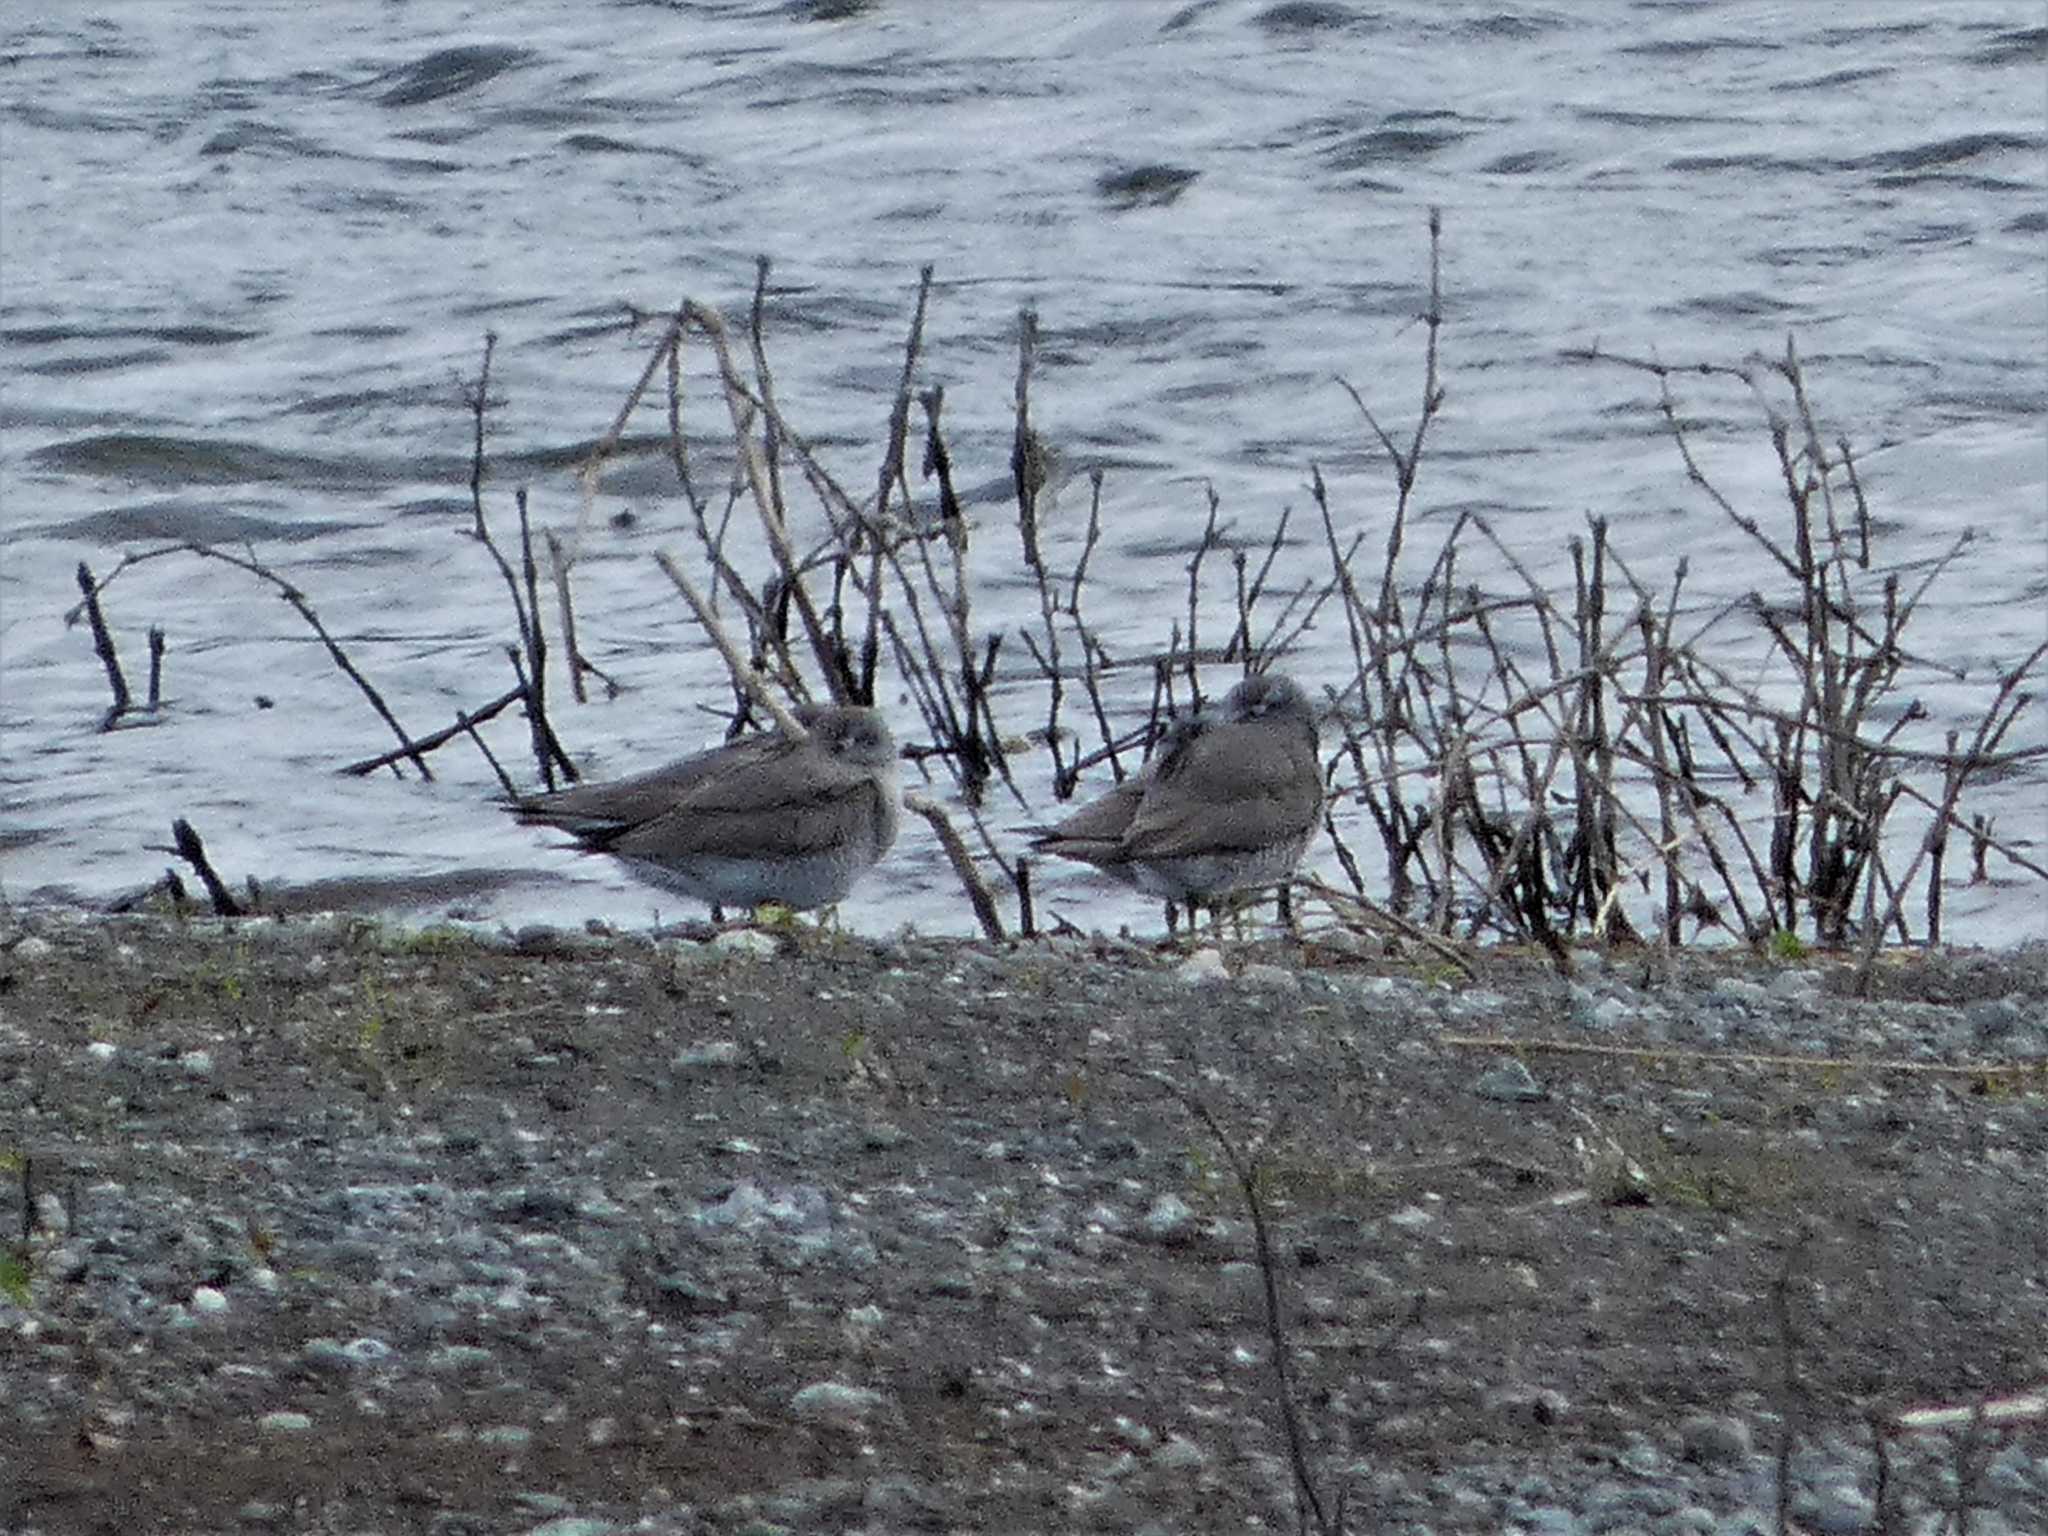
<point x="740" y="406"/>
<point x="558" y="567"/>
<point x="743" y="674"/>
<point x="467" y="725"/>
<point x="547" y="748"/>
<point x="1027" y="467"/>
<point x="437" y="739"/>
<point x="962" y="860"/>
<point x="103" y="646"/>
<point x="156" y="668"/>
<point x="1991" y="729"/>
<point x="186" y="844"/>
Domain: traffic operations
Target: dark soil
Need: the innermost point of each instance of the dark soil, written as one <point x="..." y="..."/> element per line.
<point x="603" y="1210"/>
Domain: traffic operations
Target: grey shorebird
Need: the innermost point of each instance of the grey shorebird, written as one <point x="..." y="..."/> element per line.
<point x="1229" y="802"/>
<point x="767" y="818"/>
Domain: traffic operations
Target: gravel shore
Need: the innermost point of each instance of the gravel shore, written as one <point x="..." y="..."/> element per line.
<point x="333" y="1226"/>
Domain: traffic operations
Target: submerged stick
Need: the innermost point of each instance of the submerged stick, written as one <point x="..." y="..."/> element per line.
<point x="156" y="667"/>
<point x="186" y="844"/>
<point x="103" y="643"/>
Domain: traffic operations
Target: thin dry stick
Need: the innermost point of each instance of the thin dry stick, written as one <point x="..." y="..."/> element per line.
<point x="103" y="643"/>
<point x="1026" y="464"/>
<point x="558" y="567"/>
<point x="156" y="668"/>
<point x="440" y="738"/>
<point x="1346" y="904"/>
<point x="1307" y="1498"/>
<point x="742" y="673"/>
<point x="739" y="405"/>
<point x="962" y="860"/>
<point x="2002" y="1070"/>
<point x="1990" y="730"/>
<point x="186" y="844"/>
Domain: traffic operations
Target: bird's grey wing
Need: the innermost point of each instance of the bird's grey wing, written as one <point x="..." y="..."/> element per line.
<point x="792" y="801"/>
<point x="602" y="812"/>
<point x="1095" y="832"/>
<point x="1235" y="788"/>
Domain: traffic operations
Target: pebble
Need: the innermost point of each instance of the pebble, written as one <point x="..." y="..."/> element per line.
<point x="1171" y="1221"/>
<point x="1202" y="968"/>
<point x="1739" y="990"/>
<point x="707" y="1053"/>
<point x="1510" y="1082"/>
<point x="1714" y="1439"/>
<point x="285" y="1422"/>
<point x="1270" y="978"/>
<point x="746" y="944"/>
<point x="834" y="1402"/>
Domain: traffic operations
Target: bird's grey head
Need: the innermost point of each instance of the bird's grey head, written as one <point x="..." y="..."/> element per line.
<point x="855" y="735"/>
<point x="1268" y="696"/>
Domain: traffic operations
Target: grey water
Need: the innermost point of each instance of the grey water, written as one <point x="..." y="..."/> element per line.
<point x="249" y="255"/>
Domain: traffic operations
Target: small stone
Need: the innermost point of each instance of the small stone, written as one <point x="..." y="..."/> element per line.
<point x="1602" y="1014"/>
<point x="1994" y="1020"/>
<point x="208" y="1302"/>
<point x="1170" y="1221"/>
<point x="196" y="1063"/>
<point x="505" y="1436"/>
<point x="1795" y="986"/>
<point x="1838" y="1509"/>
<point x="34" y="948"/>
<point x="1180" y="1455"/>
<point x="833" y="1402"/>
<point x="1526" y="1405"/>
<point x="1510" y="1082"/>
<point x="1269" y="978"/>
<point x="746" y="943"/>
<point x="285" y="1422"/>
<point x="324" y="1354"/>
<point x="538" y="939"/>
<point x="51" y="1217"/>
<point x="1478" y="1003"/>
<point x="1739" y="990"/>
<point x="102" y="1051"/>
<point x="1202" y="968"/>
<point x="453" y="1358"/>
<point x="707" y="1053"/>
<point x="1714" y="1439"/>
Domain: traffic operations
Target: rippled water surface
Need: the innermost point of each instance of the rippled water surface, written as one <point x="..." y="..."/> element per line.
<point x="250" y="254"/>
